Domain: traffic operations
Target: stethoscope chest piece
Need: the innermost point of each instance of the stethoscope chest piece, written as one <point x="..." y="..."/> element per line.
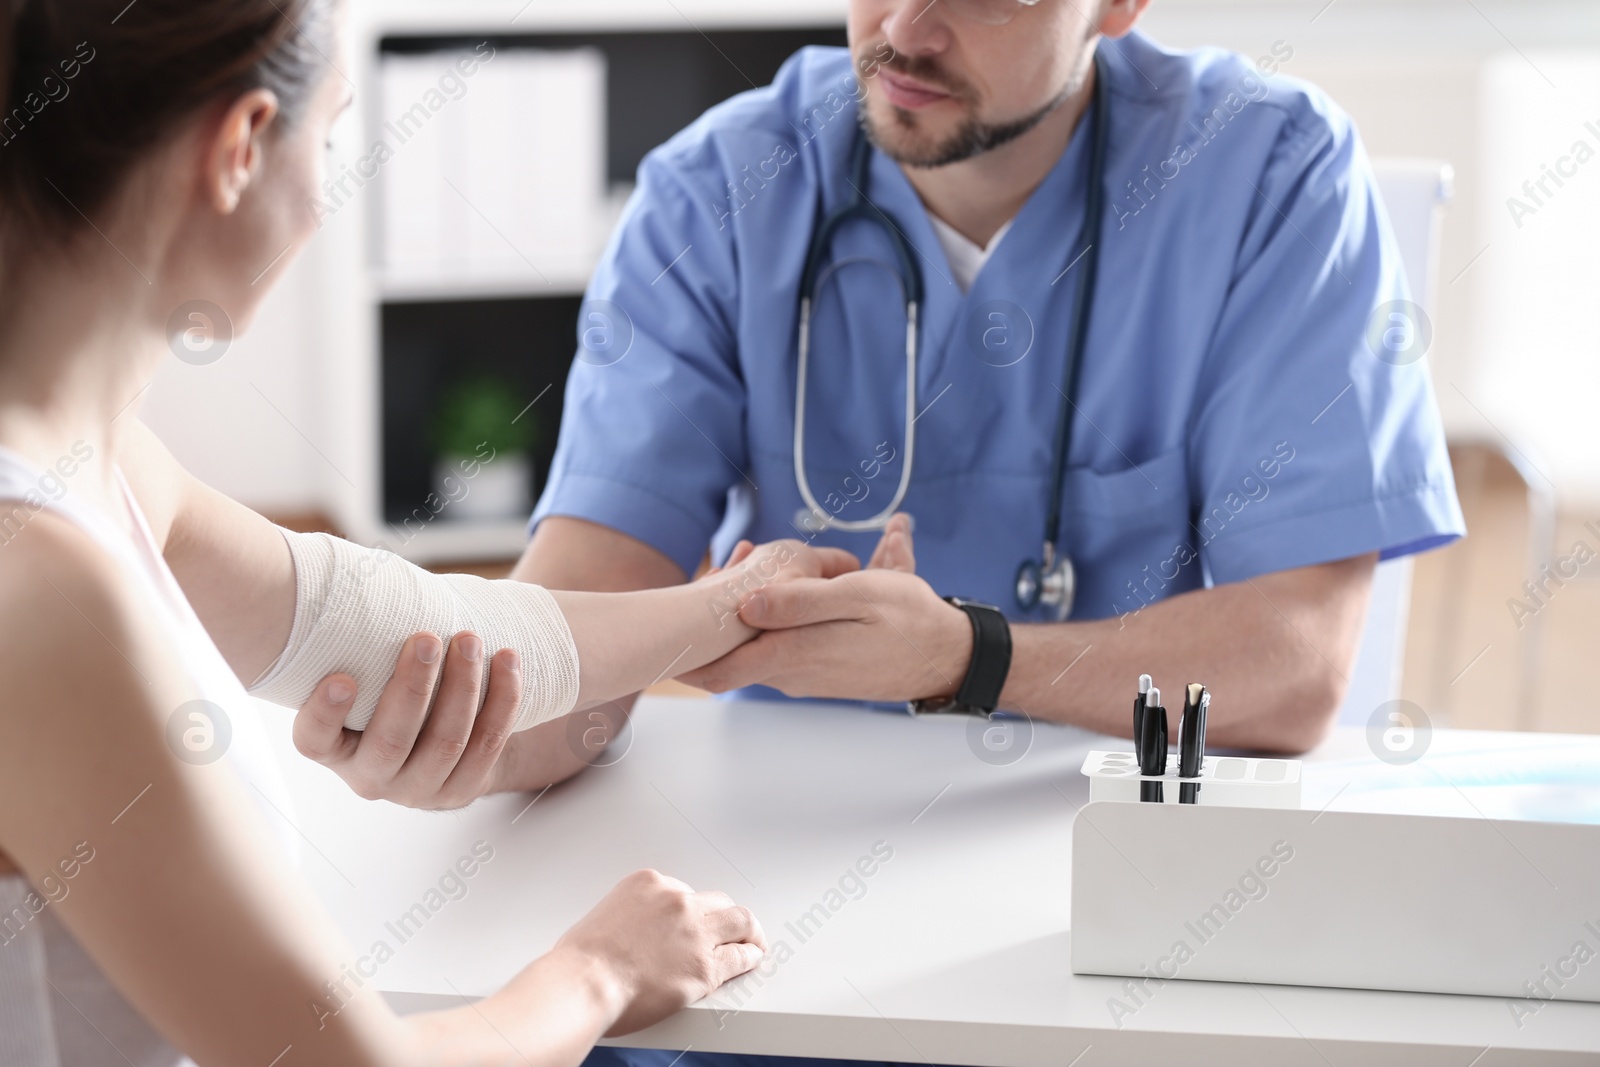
<point x="1051" y="582"/>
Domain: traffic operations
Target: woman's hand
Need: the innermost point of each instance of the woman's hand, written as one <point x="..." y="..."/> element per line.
<point x="655" y="945"/>
<point x="788" y="558"/>
<point x="752" y="568"/>
<point x="894" y="551"/>
<point x="883" y="634"/>
<point x="650" y="948"/>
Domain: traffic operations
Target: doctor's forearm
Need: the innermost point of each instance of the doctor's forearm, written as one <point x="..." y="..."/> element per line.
<point x="1276" y="653"/>
<point x="1085" y="674"/>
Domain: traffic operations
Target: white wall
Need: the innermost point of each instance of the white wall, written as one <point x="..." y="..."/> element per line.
<point x="1540" y="342"/>
<point x="1517" y="338"/>
<point x="238" y="423"/>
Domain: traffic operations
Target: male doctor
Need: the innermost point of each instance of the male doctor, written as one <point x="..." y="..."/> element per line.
<point x="1246" y="439"/>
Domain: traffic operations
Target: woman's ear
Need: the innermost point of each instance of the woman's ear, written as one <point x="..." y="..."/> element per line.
<point x="1120" y="16"/>
<point x="236" y="146"/>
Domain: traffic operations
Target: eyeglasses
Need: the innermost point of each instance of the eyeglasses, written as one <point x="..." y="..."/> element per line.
<point x="988" y="12"/>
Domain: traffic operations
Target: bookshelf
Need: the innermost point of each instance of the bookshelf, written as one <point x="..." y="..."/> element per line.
<point x="418" y="330"/>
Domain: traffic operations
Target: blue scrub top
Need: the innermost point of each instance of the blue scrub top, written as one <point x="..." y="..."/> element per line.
<point x="1234" y="419"/>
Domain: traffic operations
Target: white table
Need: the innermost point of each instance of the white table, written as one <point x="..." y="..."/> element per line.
<point x="953" y="951"/>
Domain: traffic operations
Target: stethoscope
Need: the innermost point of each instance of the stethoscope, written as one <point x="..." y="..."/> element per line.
<point x="1049" y="580"/>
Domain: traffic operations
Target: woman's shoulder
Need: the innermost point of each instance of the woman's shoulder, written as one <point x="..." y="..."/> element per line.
<point x="87" y="681"/>
<point x="68" y="612"/>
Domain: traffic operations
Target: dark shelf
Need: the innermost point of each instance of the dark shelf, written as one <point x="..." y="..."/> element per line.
<point x="657" y="83"/>
<point x="429" y="347"/>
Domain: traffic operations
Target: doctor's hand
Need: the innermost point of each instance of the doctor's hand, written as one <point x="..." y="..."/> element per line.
<point x="895" y="551"/>
<point x="419" y="750"/>
<point x="878" y="634"/>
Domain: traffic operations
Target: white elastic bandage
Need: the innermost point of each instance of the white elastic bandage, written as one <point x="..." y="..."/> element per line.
<point x="355" y="607"/>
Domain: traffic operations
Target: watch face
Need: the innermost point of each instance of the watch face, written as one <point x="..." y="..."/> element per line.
<point x="943" y="706"/>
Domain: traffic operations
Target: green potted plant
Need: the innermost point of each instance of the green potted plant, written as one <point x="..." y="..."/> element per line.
<point x="483" y="439"/>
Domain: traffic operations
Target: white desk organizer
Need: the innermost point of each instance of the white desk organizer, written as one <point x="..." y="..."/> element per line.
<point x="1419" y="903"/>
<point x="1237" y="781"/>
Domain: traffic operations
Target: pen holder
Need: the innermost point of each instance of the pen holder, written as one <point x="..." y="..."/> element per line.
<point x="1232" y="781"/>
<point x="1421" y="903"/>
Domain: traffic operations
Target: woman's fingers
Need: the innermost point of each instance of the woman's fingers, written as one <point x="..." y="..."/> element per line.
<point x="735" y="923"/>
<point x="734" y="959"/>
<point x="737" y="942"/>
<point x="740" y="553"/>
<point x="666" y="943"/>
<point x="836" y="561"/>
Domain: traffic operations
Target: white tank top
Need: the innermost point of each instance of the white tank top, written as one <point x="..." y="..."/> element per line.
<point x="56" y="1007"/>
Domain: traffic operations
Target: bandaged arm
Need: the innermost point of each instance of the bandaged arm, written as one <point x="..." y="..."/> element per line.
<point x="355" y="608"/>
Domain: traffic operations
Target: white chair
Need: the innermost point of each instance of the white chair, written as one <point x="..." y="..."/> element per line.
<point x="1415" y="192"/>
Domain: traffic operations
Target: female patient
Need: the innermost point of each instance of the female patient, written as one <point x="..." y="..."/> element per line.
<point x="153" y="154"/>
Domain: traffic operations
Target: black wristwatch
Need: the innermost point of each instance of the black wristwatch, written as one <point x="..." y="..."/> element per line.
<point x="986" y="673"/>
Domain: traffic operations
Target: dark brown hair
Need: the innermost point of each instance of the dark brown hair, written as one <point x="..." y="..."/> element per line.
<point x="89" y="87"/>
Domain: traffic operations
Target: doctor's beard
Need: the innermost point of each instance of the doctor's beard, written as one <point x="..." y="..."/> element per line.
<point x="973" y="137"/>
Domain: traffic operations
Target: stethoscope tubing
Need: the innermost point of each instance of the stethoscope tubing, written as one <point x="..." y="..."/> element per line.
<point x="815" y="509"/>
<point x="911" y="286"/>
<point x="1093" y="217"/>
<point x="815" y="274"/>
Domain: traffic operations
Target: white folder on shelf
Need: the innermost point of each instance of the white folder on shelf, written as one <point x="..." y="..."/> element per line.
<point x="483" y="172"/>
<point x="413" y="225"/>
<point x="568" y="162"/>
<point x="508" y="178"/>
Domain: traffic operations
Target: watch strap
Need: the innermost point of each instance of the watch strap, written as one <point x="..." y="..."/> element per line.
<point x="991" y="656"/>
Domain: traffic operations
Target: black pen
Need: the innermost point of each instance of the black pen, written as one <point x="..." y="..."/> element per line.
<point x="1138" y="716"/>
<point x="1192" y="741"/>
<point x="1153" y="746"/>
